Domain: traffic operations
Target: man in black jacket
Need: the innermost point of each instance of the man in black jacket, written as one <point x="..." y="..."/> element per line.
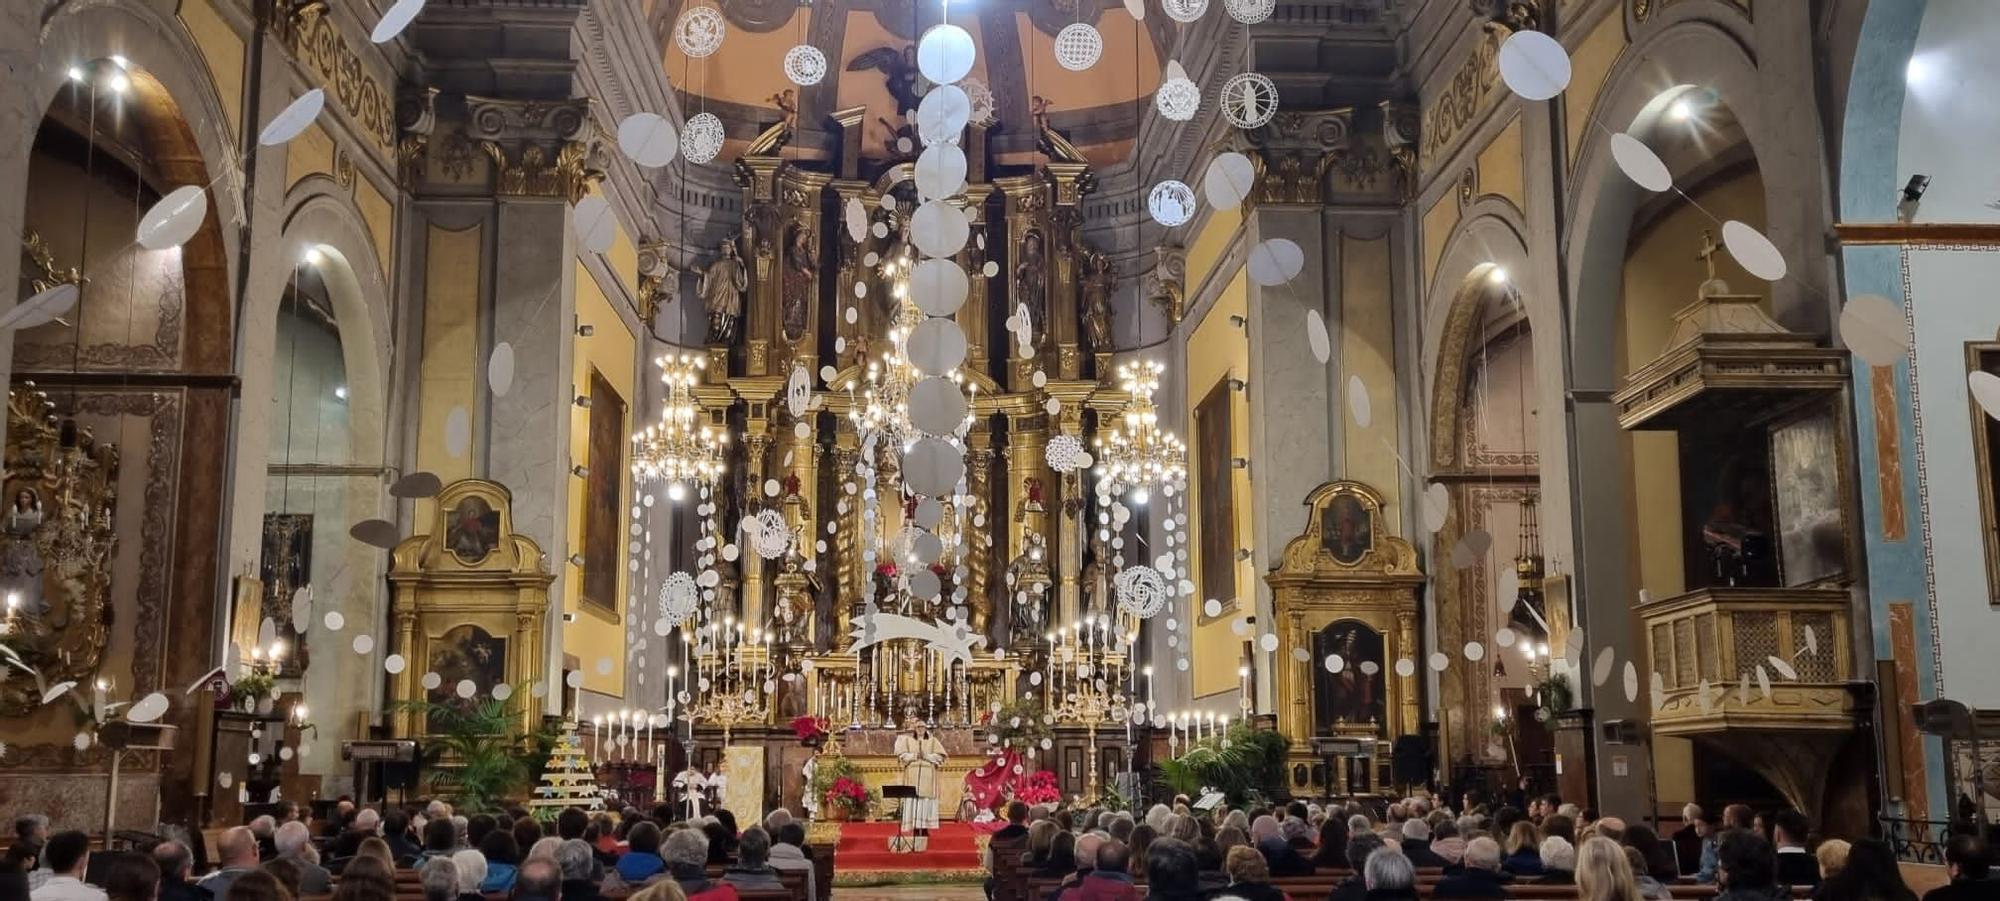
<point x="176" y="869"/>
<point x="1355" y="886"/>
<point x="1417" y="845"/>
<point x="1796" y="865"/>
<point x="1480" y="877"/>
<point x="1967" y="860"/>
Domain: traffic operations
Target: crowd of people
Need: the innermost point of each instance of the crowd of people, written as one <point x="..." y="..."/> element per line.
<point x="1479" y="852"/>
<point x="357" y="853"/>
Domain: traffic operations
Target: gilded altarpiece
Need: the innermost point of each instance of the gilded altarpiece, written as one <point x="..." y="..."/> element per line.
<point x="1345" y="587"/>
<point x="469" y="601"/>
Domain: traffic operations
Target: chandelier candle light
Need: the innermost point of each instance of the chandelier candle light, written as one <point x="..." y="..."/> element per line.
<point x="679" y="448"/>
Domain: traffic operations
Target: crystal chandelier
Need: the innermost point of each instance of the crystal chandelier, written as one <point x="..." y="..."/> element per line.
<point x="680" y="447"/>
<point x="881" y="390"/>
<point x="1135" y="453"/>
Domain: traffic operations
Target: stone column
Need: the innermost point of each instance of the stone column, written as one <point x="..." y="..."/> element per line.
<point x="763" y="251"/>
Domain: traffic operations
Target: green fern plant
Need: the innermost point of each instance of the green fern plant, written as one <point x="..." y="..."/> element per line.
<point x="1239" y="765"/>
<point x="477" y="752"/>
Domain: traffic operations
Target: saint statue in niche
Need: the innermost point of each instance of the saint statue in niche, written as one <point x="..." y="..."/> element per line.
<point x="21" y="563"/>
<point x="1031" y="280"/>
<point x="473" y="530"/>
<point x="800" y="280"/>
<point x="1349" y="697"/>
<point x="722" y="286"/>
<point x="1100" y="278"/>
<point x="1346" y="529"/>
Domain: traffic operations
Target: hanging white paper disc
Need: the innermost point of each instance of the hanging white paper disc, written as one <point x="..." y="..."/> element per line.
<point x="457" y="432"/>
<point x="937" y="405"/>
<point x="417" y="485"/>
<point x="805" y="65"/>
<point x="465" y="689"/>
<point x="1534" y="65"/>
<point x="174" y="219"/>
<point x="395" y="20"/>
<point x="1874" y="328"/>
<point x="1358" y="404"/>
<point x="1078" y="46"/>
<point x="1985" y="389"/>
<point x="939" y="287"/>
<point x="699" y="31"/>
<point x="1316" y="337"/>
<point x="1505" y="637"/>
<point x="1640" y="163"/>
<point x="943" y="114"/>
<point x="375" y="533"/>
<point x="931" y="467"/>
<point x="855" y="215"/>
<point x="293" y="119"/>
<point x="648" y="139"/>
<point x="1631" y="682"/>
<point x="364" y="644"/>
<point x="1600" y="669"/>
<point x="1250" y="12"/>
<point x="936" y="346"/>
<point x="596" y="224"/>
<point x="1186" y="12"/>
<point x="929" y="513"/>
<point x="41" y="309"/>
<point x="1178" y="99"/>
<point x="1248" y="100"/>
<point x="1437" y="506"/>
<point x="500" y="369"/>
<point x="1171" y="203"/>
<point x="939" y="229"/>
<point x="1439" y="661"/>
<point x="1406" y="667"/>
<point x="1275" y="261"/>
<point x="394" y="664"/>
<point x="148" y="708"/>
<point x="941" y="171"/>
<point x="1334" y="664"/>
<point x="1474" y="651"/>
<point x="924" y="583"/>
<point x="1228" y="180"/>
<point x="945" y="53"/>
<point x="1754" y="252"/>
<point x="701" y="138"/>
<point x="333" y="621"/>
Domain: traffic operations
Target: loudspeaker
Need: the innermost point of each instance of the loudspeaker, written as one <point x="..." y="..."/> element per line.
<point x="1411" y="760"/>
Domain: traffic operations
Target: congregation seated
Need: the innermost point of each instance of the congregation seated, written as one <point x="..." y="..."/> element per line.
<point x="237" y="850"/>
<point x="1249" y="877"/>
<point x="294" y="843"/>
<point x="471" y="866"/>
<point x="365" y="878"/>
<point x="1061" y="857"/>
<point x="1109" y="878"/>
<point x="641" y="860"/>
<point x="1968" y="862"/>
<point x="176" y="865"/>
<point x="753" y="868"/>
<point x="1747" y="868"/>
<point x="1390" y="876"/>
<point x="1086" y="861"/>
<point x="1417" y="845"/>
<point x="1558" y="862"/>
<point x="503" y="859"/>
<point x="581" y="874"/>
<point x="67" y="856"/>
<point x="1524" y="856"/>
<point x="1479" y="876"/>
<point x="1354" y="887"/>
<point x="1171" y="873"/>
<point x="686" y="853"/>
<point x="1331" y="853"/>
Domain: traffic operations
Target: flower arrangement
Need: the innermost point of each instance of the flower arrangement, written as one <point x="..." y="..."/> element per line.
<point x="1020" y="725"/>
<point x="1041" y="789"/>
<point x="848" y="795"/>
<point x="251" y="687"/>
<point x="810" y="730"/>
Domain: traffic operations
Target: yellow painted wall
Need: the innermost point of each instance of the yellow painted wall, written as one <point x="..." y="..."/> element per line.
<point x="380" y="216"/>
<point x="222" y="50"/>
<point x="1439" y="220"/>
<point x="311" y="153"/>
<point x="447" y="372"/>
<point x="1662" y="276"/>
<point x="1590" y="65"/>
<point x="1500" y="166"/>
<point x="1218" y="350"/>
<point x="1368" y="351"/>
<point x="610" y="350"/>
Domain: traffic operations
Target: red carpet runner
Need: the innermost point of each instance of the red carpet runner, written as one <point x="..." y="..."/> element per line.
<point x="865" y="846"/>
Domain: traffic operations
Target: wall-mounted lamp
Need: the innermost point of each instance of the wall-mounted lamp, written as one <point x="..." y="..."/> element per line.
<point x="1238" y="321"/>
<point x="576" y="560"/>
<point x="1239" y="462"/>
<point x="580" y="471"/>
<point x="584" y="330"/>
<point x="1238" y="385"/>
<point x="582" y="400"/>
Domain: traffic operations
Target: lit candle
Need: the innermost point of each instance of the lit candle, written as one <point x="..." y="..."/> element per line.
<point x="596" y="740"/>
<point x="1243" y="672"/>
<point x="1225" y="730"/>
<point x="1149" y="687"/>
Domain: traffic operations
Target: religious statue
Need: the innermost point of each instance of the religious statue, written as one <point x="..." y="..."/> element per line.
<point x="1031" y="280"/>
<point x="801" y="275"/>
<point x="723" y="286"/>
<point x="899" y="71"/>
<point x="1100" y="278"/>
<point x="921" y="754"/>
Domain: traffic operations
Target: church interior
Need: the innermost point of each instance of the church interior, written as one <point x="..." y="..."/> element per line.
<point x="874" y="429"/>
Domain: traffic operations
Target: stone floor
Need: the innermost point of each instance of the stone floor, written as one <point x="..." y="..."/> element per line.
<point x="910" y="893"/>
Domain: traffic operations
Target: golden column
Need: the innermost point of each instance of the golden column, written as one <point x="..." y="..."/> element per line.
<point x="971" y="318"/>
<point x="1066" y="496"/>
<point x="799" y="196"/>
<point x="848" y="273"/>
<point x="756" y="444"/>
<point x="1027" y="204"/>
<point x="978" y="540"/>
<point x="762" y="245"/>
<point x="1069" y="183"/>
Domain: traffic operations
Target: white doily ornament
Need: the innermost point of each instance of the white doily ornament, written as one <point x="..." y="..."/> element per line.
<point x="1078" y="45"/>
<point x="1065" y="453"/>
<point x="805" y="65"/>
<point x="699" y="31"/>
<point x="679" y="598"/>
<point x="771" y="537"/>
<point x="1250" y="12"/>
<point x="981" y="97"/>
<point x="1178" y="99"/>
<point x="1171" y="203"/>
<point x="1249" y="100"/>
<point x="1184" y="11"/>
<point x="1141" y="591"/>
<point x="701" y="138"/>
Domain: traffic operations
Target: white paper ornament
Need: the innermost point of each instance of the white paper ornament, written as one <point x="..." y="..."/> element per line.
<point x="1228" y="180"/>
<point x="1754" y="252"/>
<point x="1358" y="404"/>
<point x="983" y="107"/>
<point x="1600" y="669"/>
<point x="1783" y="667"/>
<point x="1875" y="329"/>
<point x="1439" y="662"/>
<point x="294" y="119"/>
<point x="701" y="138"/>
<point x="416" y="486"/>
<point x="1078" y="46"/>
<point x="932" y="466"/>
<point x="1184" y="11"/>
<point x="1178" y="99"/>
<point x="1533" y="65"/>
<point x="1275" y="261"/>
<point x="1136" y="9"/>
<point x="500" y="369"/>
<point x="1141" y="591"/>
<point x="148" y="708"/>
<point x="1436" y="506"/>
<point x="855" y="216"/>
<point x="394" y="664"/>
<point x="395" y="20"/>
<point x="937" y="405"/>
<point x="943" y="113"/>
<point x="1474" y="651"/>
<point x="41" y="309"/>
<point x="364" y="644"/>
<point x="1268" y="642"/>
<point x="1640" y="163"/>
<point x="945" y="53"/>
<point x="596" y="224"/>
<point x="378" y="533"/>
<point x="1505" y="637"/>
<point x="939" y="287"/>
<point x="1406" y="667"/>
<point x="1171" y="203"/>
<point x="1248" y="100"/>
<point x="939" y="229"/>
<point x="936" y="346"/>
<point x="465" y="689"/>
<point x="1317" y="338"/>
<point x="699" y="31"/>
<point x="805" y="65"/>
<point x="648" y="139"/>
<point x="173" y="220"/>
<point x="1250" y="12"/>
<point x="941" y="171"/>
<point x="1985" y="389"/>
<point x="502" y="691"/>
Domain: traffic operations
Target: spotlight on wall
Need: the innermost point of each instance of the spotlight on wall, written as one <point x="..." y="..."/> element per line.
<point x="1238" y="321"/>
<point x="119" y="83"/>
<point x="582" y="400"/>
<point x="313" y="257"/>
<point x="585" y="331"/>
<point x="580" y="471"/>
<point x="340" y="391"/>
<point x="1913" y="195"/>
<point x="576" y="560"/>
<point x="569" y="617"/>
<point x="76" y="73"/>
<point x="1243" y="553"/>
<point x="1497" y="275"/>
<point x="1240" y="462"/>
<point x="1238" y="385"/>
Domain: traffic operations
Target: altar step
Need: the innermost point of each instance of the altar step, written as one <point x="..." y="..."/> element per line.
<point x="865" y="847"/>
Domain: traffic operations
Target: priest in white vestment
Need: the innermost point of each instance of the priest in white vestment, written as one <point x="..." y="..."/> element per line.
<point x="921" y="754"/>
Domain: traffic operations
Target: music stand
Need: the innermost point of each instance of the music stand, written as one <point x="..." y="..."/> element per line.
<point x="903" y="794"/>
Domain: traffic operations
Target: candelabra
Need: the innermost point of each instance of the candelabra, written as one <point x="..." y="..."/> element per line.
<point x="1135" y="452"/>
<point x="1089" y="664"/>
<point x="679" y="448"/>
<point x="734" y="679"/>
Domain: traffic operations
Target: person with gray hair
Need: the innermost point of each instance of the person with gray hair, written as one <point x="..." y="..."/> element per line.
<point x="264" y="828"/>
<point x="1359" y="846"/>
<point x="439" y="877"/>
<point x="294" y="843"/>
<point x="1121" y="826"/>
<point x="348" y="843"/>
<point x="1480" y="877"/>
<point x="1390" y="876"/>
<point x="238" y="849"/>
<point x="437" y="810"/>
<point x="1358" y="824"/>
<point x="579" y="870"/>
<point x="1156" y="817"/>
<point x="686" y="854"/>
<point x="753" y="862"/>
<point x="471" y="866"/>
<point x="776" y="820"/>
<point x="176" y="865"/>
<point x="1558" y="862"/>
<point x="1417" y="844"/>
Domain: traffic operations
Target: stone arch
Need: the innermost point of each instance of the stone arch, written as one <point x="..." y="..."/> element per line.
<point x="1491" y="236"/>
